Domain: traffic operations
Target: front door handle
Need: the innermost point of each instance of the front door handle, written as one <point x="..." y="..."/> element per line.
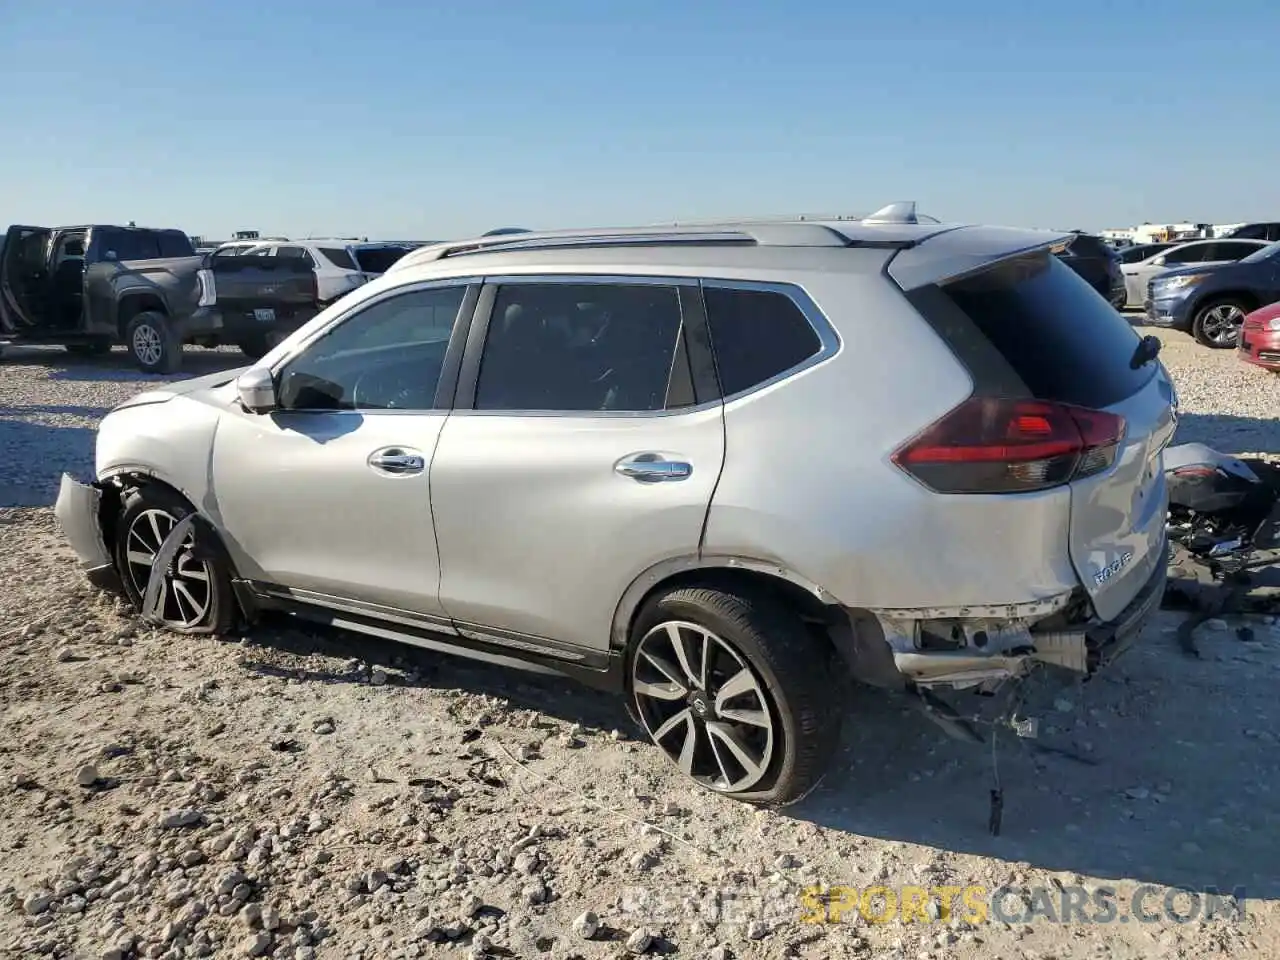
<point x="398" y="461"/>
<point x="653" y="468"/>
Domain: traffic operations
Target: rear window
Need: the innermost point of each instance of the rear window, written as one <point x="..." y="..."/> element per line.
<point x="378" y="259"/>
<point x="175" y="245"/>
<point x="1032" y="325"/>
<point x="129" y="244"/>
<point x="338" y="257"/>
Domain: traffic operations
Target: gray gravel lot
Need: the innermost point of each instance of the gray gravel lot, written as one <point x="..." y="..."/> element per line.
<point x="304" y="793"/>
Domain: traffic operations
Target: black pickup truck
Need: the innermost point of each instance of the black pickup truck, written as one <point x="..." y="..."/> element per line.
<point x="88" y="288"/>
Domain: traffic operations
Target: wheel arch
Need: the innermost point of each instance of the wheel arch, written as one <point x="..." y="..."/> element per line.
<point x="133" y="303"/>
<point x="116" y="482"/>
<point x="1247" y="297"/>
<point x="810" y="599"/>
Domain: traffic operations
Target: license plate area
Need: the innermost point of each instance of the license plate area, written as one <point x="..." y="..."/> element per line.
<point x="264" y="315"/>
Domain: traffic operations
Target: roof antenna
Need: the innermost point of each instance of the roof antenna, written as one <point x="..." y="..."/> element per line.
<point x="902" y="211"/>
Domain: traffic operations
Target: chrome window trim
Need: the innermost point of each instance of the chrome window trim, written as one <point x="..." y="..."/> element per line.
<point x="828" y="339"/>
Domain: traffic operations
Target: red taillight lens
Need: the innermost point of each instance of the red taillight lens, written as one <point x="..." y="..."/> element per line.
<point x="994" y="445"/>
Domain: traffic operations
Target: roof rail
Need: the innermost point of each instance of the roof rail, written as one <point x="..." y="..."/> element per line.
<point x="760" y="234"/>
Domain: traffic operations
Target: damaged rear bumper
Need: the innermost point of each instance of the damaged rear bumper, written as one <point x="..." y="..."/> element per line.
<point x="965" y="650"/>
<point x="78" y="511"/>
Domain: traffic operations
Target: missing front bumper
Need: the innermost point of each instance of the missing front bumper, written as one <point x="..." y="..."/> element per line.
<point x="78" y="509"/>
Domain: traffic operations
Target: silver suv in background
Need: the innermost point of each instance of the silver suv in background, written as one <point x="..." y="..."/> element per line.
<point x="700" y="466"/>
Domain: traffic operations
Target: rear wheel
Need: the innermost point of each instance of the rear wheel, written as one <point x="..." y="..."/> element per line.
<point x="1217" y="323"/>
<point x="152" y="343"/>
<point x="91" y="348"/>
<point x="736" y="691"/>
<point x="196" y="595"/>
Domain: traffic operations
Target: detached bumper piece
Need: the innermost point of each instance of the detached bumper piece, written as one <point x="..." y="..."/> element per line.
<point x="77" y="510"/>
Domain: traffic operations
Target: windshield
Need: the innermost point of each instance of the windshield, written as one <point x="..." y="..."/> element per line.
<point x="1263" y="253"/>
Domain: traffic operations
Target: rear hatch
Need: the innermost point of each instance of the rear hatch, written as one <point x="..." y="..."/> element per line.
<point x="1029" y="329"/>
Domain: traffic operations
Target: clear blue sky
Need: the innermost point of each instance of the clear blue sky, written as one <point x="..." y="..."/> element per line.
<point x="438" y="119"/>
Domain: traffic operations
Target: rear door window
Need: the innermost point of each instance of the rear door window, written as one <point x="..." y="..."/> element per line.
<point x="590" y="347"/>
<point x="295" y="253"/>
<point x="1191" y="253"/>
<point x="129" y="245"/>
<point x="174" y="245"/>
<point x="1032" y="325"/>
<point x="756" y="335"/>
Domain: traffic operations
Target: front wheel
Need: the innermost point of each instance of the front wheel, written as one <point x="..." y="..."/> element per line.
<point x="196" y="594"/>
<point x="736" y="691"/>
<point x="1217" y="323"/>
<point x="152" y="343"/>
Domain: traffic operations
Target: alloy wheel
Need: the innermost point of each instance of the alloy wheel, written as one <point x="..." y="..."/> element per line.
<point x="147" y="344"/>
<point x="704" y="706"/>
<point x="187" y="593"/>
<point x="1222" y="323"/>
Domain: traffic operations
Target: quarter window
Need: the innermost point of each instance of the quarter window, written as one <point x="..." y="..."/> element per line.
<point x="338" y="257"/>
<point x="296" y="253"/>
<point x="388" y="356"/>
<point x="579" y="347"/>
<point x="756" y="335"/>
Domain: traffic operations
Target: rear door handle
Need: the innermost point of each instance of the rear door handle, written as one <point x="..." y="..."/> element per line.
<point x="653" y="468"/>
<point x="397" y="461"/>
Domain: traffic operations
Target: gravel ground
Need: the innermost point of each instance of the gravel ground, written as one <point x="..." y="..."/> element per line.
<point x="303" y="793"/>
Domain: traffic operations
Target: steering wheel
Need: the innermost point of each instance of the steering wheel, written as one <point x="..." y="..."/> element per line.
<point x="397" y="388"/>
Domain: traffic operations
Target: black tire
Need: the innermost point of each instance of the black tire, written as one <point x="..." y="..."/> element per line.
<point x="91" y="348"/>
<point x="1206" y="326"/>
<point x="152" y="343"/>
<point x="791" y="670"/>
<point x="258" y="345"/>
<point x="136" y="534"/>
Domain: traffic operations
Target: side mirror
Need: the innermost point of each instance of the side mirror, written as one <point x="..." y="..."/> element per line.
<point x="257" y="390"/>
<point x="1158" y="262"/>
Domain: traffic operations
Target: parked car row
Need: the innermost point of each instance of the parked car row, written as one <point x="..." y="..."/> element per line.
<point x="90" y="287"/>
<point x="340" y="265"/>
<point x="1138" y="272"/>
<point x="1211" y="299"/>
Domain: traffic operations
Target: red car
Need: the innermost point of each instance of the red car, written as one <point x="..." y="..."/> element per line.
<point x="1260" y="337"/>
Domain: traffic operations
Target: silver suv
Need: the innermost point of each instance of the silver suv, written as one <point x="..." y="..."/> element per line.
<point x="703" y="467"/>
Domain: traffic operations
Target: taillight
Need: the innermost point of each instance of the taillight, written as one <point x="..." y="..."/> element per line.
<point x="208" y="288"/>
<point x="995" y="445"/>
